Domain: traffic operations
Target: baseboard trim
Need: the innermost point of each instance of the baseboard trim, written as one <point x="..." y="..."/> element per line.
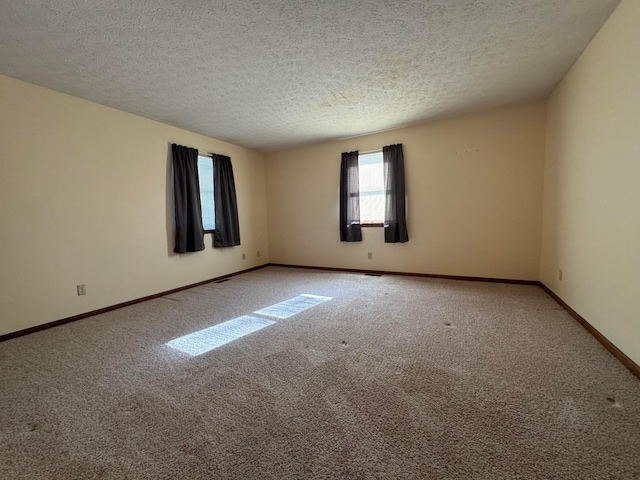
<point x="410" y="274"/>
<point x="615" y="351"/>
<point x="62" y="321"/>
<point x="606" y="343"/>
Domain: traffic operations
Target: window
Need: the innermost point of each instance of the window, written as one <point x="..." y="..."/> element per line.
<point x="205" y="176"/>
<point x="371" y="180"/>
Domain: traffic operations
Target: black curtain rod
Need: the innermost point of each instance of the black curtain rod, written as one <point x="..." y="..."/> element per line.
<point x="199" y="152"/>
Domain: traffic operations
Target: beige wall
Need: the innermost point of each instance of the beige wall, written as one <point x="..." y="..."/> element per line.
<point x="592" y="183"/>
<point x="474" y="187"/>
<point x="85" y="198"/>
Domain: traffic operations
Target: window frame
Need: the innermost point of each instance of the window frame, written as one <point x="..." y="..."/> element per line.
<point x="371" y="224"/>
<point x="200" y="155"/>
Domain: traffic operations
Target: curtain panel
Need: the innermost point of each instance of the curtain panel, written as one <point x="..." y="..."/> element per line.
<point x="227" y="231"/>
<point x="350" y="229"/>
<point x="395" y="223"/>
<point x="186" y="194"/>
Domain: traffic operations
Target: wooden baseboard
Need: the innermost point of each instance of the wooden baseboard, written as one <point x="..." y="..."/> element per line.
<point x="409" y="274"/>
<point x="62" y="321"/>
<point x="615" y="351"/>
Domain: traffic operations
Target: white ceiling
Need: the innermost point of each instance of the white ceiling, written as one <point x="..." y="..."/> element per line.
<point x="272" y="74"/>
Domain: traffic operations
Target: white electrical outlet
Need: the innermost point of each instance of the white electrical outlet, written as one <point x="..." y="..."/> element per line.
<point x="82" y="289"/>
<point x="560" y="274"/>
<point x="370" y="255"/>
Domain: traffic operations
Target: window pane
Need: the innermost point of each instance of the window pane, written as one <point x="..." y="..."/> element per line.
<point x="371" y="176"/>
<point x="205" y="174"/>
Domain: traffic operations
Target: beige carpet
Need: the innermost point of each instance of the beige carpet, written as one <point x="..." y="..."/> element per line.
<point x="394" y="378"/>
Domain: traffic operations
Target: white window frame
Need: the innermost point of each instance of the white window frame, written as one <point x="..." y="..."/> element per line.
<point x="210" y="209"/>
<point x="367" y="160"/>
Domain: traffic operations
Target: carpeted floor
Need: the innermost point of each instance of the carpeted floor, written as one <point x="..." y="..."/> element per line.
<point x="393" y="378"/>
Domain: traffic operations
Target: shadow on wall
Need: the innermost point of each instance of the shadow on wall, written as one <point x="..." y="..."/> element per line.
<point x="169" y="204"/>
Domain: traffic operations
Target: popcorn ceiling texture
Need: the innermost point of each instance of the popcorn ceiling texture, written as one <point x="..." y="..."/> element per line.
<point x="274" y="74"/>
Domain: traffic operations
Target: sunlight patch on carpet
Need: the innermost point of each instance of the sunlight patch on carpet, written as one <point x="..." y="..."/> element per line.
<point x="292" y="306"/>
<point x="202" y="341"/>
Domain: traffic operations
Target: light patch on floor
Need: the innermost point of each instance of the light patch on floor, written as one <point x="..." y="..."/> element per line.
<point x="292" y="306"/>
<point x="205" y="340"/>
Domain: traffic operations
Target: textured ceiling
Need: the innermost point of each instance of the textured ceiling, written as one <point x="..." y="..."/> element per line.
<point x="275" y="73"/>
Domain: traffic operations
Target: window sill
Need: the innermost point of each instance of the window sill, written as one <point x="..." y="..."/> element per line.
<point x="209" y="231"/>
<point x="372" y="224"/>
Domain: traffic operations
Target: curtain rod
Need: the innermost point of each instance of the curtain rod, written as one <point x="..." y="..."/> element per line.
<point x="204" y="152"/>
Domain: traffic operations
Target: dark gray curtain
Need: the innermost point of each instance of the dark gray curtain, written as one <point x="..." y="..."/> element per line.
<point x="350" y="229"/>
<point x="227" y="231"/>
<point x="186" y="193"/>
<point x="395" y="218"/>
